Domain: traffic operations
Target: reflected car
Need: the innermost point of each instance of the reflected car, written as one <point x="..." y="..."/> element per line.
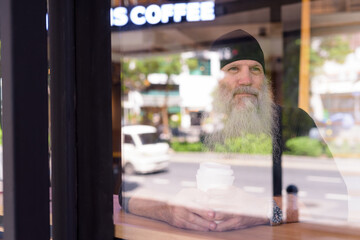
<point x="142" y="150"/>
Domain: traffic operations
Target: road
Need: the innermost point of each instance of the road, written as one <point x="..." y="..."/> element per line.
<point x="322" y="189"/>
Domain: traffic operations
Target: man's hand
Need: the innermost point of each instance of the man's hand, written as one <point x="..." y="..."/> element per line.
<point x="231" y="221"/>
<point x="238" y="209"/>
<point x="184" y="211"/>
<point x="191" y="218"/>
<point x="193" y="209"/>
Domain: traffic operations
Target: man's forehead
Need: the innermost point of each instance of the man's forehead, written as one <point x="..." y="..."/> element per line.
<point x="241" y="63"/>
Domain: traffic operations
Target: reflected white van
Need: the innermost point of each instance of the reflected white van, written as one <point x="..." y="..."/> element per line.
<point x="141" y="150"/>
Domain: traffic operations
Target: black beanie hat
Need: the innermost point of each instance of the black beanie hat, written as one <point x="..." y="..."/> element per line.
<point x="238" y="45"/>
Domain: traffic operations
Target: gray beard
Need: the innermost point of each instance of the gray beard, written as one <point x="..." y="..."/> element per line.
<point x="255" y="116"/>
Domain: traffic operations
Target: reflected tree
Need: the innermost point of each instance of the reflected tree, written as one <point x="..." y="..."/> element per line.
<point x="135" y="72"/>
<point x="331" y="48"/>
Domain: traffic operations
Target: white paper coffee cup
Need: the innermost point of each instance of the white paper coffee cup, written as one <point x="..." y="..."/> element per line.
<point x="212" y="175"/>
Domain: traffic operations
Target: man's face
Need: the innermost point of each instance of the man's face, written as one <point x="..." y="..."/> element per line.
<point x="243" y="81"/>
<point x="244" y="101"/>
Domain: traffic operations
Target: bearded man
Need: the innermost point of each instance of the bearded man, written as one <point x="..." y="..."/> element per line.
<point x="243" y="94"/>
<point x="245" y="100"/>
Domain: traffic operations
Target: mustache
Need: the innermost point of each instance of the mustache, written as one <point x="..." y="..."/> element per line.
<point x="245" y="89"/>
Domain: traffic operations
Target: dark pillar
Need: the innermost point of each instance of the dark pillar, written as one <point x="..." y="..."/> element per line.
<point x="81" y="119"/>
<point x="93" y="126"/>
<point x="63" y="120"/>
<point x="25" y="108"/>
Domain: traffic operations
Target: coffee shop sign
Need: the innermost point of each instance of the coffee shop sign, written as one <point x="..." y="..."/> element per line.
<point x="157" y="14"/>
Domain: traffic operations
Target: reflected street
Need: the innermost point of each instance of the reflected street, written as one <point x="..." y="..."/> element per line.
<point x="312" y="176"/>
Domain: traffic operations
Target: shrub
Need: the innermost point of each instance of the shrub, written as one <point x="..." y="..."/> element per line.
<point x="304" y="146"/>
<point x="327" y="151"/>
<point x="187" y="147"/>
<point x="250" y="144"/>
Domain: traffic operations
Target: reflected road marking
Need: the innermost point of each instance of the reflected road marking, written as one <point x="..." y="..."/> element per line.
<point x="254" y="189"/>
<point x="188" y="184"/>
<point x="138" y="179"/>
<point x="323" y="179"/>
<point x="333" y="196"/>
<point x="161" y="181"/>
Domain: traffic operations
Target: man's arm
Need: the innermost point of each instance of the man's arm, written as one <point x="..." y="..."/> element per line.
<point x="177" y="215"/>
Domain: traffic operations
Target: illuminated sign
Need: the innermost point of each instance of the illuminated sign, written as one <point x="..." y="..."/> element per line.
<point x="127" y="18"/>
<point x="162" y="14"/>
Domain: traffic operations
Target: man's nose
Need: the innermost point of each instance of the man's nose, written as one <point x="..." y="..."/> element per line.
<point x="244" y="77"/>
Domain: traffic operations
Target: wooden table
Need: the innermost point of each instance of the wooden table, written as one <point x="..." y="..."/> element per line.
<point x="128" y="226"/>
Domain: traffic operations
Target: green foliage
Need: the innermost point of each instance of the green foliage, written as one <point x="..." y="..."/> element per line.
<point x="1" y="136"/>
<point x="134" y="118"/>
<point x="336" y="48"/>
<point x="192" y="63"/>
<point x="331" y="48"/>
<point x="134" y="71"/>
<point x="187" y="147"/>
<point x="170" y="64"/>
<point x="250" y="144"/>
<point x="177" y="122"/>
<point x="327" y="151"/>
<point x="316" y="61"/>
<point x="131" y="76"/>
<point x="198" y="66"/>
<point x="304" y="146"/>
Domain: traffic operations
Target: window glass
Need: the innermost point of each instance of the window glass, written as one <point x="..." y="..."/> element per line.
<point x="334" y="75"/>
<point x="128" y="139"/>
<point x="1" y="135"/>
<point x="149" y="138"/>
<point x="247" y="123"/>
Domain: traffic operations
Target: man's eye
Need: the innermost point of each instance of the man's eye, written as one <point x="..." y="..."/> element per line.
<point x="233" y="69"/>
<point x="256" y="69"/>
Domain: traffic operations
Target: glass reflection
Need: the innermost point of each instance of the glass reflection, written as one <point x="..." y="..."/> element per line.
<point x="1" y="138"/>
<point x="223" y="162"/>
<point x="334" y="101"/>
